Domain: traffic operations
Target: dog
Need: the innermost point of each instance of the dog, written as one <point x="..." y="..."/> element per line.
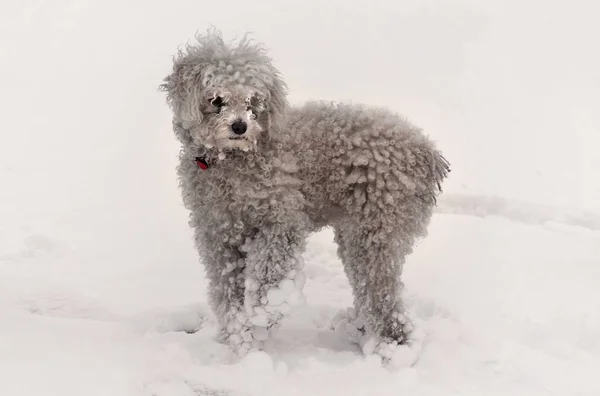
<point x="258" y="176"/>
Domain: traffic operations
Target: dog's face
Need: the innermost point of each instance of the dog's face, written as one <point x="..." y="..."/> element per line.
<point x="224" y="97"/>
<point x="231" y="118"/>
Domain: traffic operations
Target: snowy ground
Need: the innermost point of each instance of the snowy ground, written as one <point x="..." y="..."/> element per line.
<point x="502" y="307"/>
<point x="97" y="270"/>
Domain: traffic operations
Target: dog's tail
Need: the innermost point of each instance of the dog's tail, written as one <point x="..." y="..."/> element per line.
<point x="440" y="168"/>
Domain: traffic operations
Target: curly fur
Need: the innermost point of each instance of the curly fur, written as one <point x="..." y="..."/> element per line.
<point x="366" y="172"/>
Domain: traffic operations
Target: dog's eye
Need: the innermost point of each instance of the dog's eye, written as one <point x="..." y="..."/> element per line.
<point x="253" y="110"/>
<point x="255" y="107"/>
<point x="217" y="102"/>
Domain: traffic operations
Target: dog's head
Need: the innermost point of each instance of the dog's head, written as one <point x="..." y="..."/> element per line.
<point x="224" y="96"/>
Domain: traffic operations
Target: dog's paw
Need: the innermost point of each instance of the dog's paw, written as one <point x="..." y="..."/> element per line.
<point x="396" y="350"/>
<point x="288" y="293"/>
<point x="399" y="347"/>
<point x="391" y="353"/>
<point x="251" y="325"/>
<point x="348" y="325"/>
<point x="398" y="328"/>
<point x="264" y="307"/>
<point x="245" y="333"/>
<point x="245" y="341"/>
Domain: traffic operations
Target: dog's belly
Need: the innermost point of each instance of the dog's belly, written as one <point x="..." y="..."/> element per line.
<point x="322" y="212"/>
<point x="324" y="193"/>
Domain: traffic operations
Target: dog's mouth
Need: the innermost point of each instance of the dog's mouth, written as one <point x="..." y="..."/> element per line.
<point x="236" y="138"/>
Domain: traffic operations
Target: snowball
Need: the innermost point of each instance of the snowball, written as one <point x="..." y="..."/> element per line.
<point x="260" y="320"/>
<point x="243" y="349"/>
<point x="338" y="319"/>
<point x="287" y="286"/>
<point x="235" y="339"/>
<point x="241" y="317"/>
<point x="255" y="345"/>
<point x="260" y="333"/>
<point x="245" y="345"/>
<point x="230" y="327"/>
<point x="285" y="309"/>
<point x="385" y="350"/>
<point x="247" y="336"/>
<point x="359" y="323"/>
<point x="260" y="311"/>
<point x="348" y="331"/>
<point x="274" y="329"/>
<point x="300" y="280"/>
<point x="369" y="345"/>
<point x="237" y="326"/>
<point x="403" y="356"/>
<point x="400" y="317"/>
<point x="295" y="298"/>
<point x="275" y="296"/>
<point x="351" y="329"/>
<point x="339" y="326"/>
<point x="248" y="307"/>
<point x="272" y="308"/>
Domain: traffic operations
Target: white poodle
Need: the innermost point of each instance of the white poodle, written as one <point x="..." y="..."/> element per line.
<point x="259" y="176"/>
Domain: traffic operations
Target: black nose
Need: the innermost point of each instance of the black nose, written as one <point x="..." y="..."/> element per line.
<point x="239" y="127"/>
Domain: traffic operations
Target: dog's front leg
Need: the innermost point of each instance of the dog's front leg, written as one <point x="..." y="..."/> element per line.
<point x="225" y="272"/>
<point x="273" y="279"/>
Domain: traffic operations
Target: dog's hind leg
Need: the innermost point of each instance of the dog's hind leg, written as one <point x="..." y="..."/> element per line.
<point x="373" y="253"/>
<point x="373" y="264"/>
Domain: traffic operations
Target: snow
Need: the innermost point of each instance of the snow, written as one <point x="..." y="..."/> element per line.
<point x="100" y="289"/>
<point x="500" y="307"/>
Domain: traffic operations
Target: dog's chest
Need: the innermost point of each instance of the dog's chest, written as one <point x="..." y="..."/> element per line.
<point x="226" y="190"/>
<point x="240" y="191"/>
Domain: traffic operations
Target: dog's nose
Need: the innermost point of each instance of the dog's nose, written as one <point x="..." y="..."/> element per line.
<point x="239" y="127"/>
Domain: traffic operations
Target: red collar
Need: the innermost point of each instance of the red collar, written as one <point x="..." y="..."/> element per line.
<point x="202" y="163"/>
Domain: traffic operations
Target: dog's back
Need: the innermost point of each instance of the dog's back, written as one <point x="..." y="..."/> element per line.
<point x="349" y="155"/>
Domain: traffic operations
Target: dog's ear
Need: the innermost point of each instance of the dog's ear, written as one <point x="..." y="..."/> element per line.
<point x="182" y="87"/>
<point x="278" y="103"/>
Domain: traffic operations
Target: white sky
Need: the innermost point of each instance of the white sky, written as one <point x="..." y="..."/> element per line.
<point x="510" y="89"/>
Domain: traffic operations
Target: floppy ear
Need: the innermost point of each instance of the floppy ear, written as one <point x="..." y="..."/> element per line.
<point x="183" y="88"/>
<point x="278" y="102"/>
